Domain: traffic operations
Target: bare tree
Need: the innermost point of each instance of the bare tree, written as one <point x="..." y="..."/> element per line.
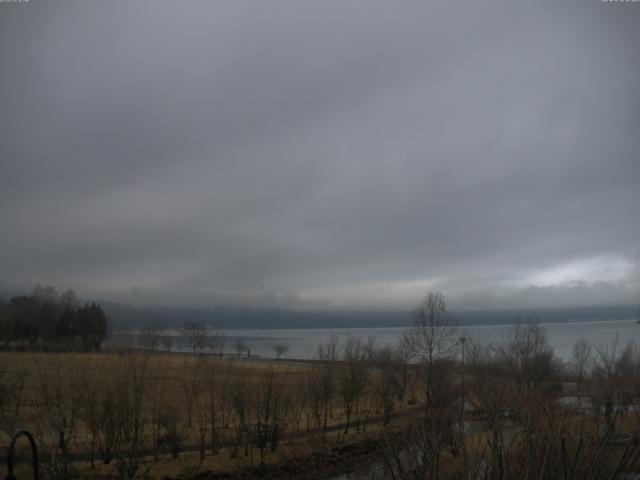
<point x="616" y="370"/>
<point x="387" y="384"/>
<point x="132" y="389"/>
<point x="68" y="300"/>
<point x="149" y="337"/>
<point x="88" y="404"/>
<point x="196" y="335"/>
<point x="353" y="378"/>
<point x="580" y="359"/>
<point x="327" y="356"/>
<point x="56" y="414"/>
<point x="432" y="337"/>
<point x="554" y="452"/>
<point x="192" y="385"/>
<point x="167" y="342"/>
<point x="279" y="349"/>
<point x="315" y="393"/>
<point x="300" y="400"/>
<point x="241" y="392"/>
<point x="271" y="403"/>
<point x="239" y="346"/>
<point x="492" y="394"/>
<point x="526" y="353"/>
<point x="404" y="354"/>
<point x="217" y="400"/>
<point x="416" y="453"/>
<point x="217" y="342"/>
<point x="11" y="399"/>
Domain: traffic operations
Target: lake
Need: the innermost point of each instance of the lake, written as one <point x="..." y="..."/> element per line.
<point x="303" y="343"/>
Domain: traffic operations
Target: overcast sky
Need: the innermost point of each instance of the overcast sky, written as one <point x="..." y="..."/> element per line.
<point x="322" y="154"/>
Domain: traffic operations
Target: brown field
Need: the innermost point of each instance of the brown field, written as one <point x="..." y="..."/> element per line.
<point x="157" y="412"/>
<point x="138" y="414"/>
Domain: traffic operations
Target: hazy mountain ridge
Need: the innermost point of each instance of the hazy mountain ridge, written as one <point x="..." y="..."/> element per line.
<point x="129" y="316"/>
<point x="125" y="316"/>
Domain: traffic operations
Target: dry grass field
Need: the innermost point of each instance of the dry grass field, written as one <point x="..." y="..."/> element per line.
<point x="135" y="414"/>
<point x="140" y="414"/>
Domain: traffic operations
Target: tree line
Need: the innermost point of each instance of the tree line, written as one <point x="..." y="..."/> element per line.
<point x="512" y="409"/>
<point x="474" y="410"/>
<point x="46" y="320"/>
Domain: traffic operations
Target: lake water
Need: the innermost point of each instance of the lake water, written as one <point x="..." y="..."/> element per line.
<point x="303" y="343"/>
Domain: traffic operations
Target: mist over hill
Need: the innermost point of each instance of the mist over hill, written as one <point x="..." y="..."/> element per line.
<point x="124" y="316"/>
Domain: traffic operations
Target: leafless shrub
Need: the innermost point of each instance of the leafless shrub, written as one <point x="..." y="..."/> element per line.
<point x="523" y="432"/>
<point x="526" y="354"/>
<point x="616" y="374"/>
<point x="418" y="451"/>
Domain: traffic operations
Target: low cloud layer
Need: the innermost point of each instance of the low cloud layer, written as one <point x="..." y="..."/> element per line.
<point x="322" y="154"/>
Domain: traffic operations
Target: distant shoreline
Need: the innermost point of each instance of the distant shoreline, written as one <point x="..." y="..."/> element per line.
<point x="376" y="327"/>
<point x="130" y="317"/>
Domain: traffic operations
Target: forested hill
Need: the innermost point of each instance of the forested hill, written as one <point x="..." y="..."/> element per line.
<point x="45" y="320"/>
<point x="128" y="316"/>
<point x="125" y="316"/>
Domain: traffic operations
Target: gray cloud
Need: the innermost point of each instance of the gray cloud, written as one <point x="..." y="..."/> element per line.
<point x="321" y="154"/>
